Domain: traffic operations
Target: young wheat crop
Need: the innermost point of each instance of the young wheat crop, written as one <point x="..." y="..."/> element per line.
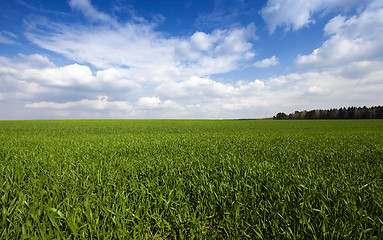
<point x="172" y="179"/>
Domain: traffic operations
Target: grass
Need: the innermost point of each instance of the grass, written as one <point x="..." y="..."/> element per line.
<point x="185" y="179"/>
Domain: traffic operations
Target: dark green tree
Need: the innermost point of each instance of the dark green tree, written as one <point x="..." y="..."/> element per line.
<point x="281" y="116"/>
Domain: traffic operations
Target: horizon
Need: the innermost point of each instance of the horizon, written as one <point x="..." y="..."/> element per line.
<point x="216" y="59"/>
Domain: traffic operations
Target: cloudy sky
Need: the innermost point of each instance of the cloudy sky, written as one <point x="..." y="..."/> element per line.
<point x="187" y="59"/>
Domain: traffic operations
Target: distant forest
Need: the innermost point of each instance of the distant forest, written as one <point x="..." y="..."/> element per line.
<point x="341" y="113"/>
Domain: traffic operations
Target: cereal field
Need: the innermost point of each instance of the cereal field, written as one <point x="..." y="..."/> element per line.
<point x="191" y="179"/>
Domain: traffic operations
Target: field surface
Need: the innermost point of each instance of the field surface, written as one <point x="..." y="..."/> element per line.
<point x="191" y="179"/>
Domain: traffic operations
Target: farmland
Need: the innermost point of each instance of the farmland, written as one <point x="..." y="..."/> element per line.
<point x="185" y="179"/>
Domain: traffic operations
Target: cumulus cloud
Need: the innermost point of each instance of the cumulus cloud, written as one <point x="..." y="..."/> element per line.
<point x="239" y="104"/>
<point x="35" y="77"/>
<point x="316" y="90"/>
<point x="220" y="51"/>
<point x="101" y="103"/>
<point x="308" y="90"/>
<point x="198" y="86"/>
<point x="202" y="41"/>
<point x="251" y="87"/>
<point x="70" y="75"/>
<point x="190" y="97"/>
<point x="356" y="38"/>
<point x="140" y="47"/>
<point x="267" y="62"/>
<point x="37" y="61"/>
<point x="117" y="79"/>
<point x="157" y="103"/>
<point x="295" y="14"/>
<point x="236" y="40"/>
<point x="205" y="88"/>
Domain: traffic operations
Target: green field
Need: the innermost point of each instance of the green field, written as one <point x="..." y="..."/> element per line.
<point x="185" y="179"/>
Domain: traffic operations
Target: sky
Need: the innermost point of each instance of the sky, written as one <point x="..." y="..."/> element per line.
<point x="185" y="59"/>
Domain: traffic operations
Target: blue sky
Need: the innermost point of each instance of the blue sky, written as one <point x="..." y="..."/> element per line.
<point x="187" y="59"/>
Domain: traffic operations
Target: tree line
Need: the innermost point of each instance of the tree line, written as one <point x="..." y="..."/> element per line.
<point x="341" y="113"/>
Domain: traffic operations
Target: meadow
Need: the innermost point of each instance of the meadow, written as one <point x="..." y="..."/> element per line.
<point x="191" y="179"/>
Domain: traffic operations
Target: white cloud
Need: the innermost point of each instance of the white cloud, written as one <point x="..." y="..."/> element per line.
<point x="145" y="51"/>
<point x="69" y="90"/>
<point x="37" y="61"/>
<point x="7" y="38"/>
<point x="236" y="41"/>
<point x="205" y="89"/>
<point x="316" y="90"/>
<point x="117" y="79"/>
<point x="157" y="103"/>
<point x="357" y="38"/>
<point x="218" y="52"/>
<point x="194" y="87"/>
<point x="202" y="41"/>
<point x="70" y="75"/>
<point x="198" y="44"/>
<point x="34" y="77"/>
<point x="310" y="90"/>
<point x="295" y="14"/>
<point x="267" y="62"/>
<point x="362" y="69"/>
<point x="132" y="45"/>
<point x="75" y="92"/>
<point x="251" y="86"/>
<point x="240" y="104"/>
<point x="90" y="11"/>
<point x="101" y="103"/>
